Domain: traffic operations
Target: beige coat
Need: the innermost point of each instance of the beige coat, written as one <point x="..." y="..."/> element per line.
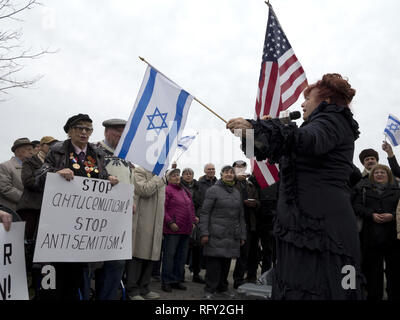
<point x="398" y="220"/>
<point x="147" y="225"/>
<point x="11" y="186"/>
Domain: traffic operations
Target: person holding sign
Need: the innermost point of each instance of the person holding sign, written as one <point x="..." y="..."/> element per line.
<point x="74" y="157"/>
<point x="6" y="219"/>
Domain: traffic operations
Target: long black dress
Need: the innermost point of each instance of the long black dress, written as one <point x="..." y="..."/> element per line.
<point x="318" y="250"/>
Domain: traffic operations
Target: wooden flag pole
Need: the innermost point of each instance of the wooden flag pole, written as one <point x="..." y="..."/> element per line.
<point x="194" y="98"/>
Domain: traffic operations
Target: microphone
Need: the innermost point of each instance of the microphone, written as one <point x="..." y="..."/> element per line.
<point x="286" y="117"/>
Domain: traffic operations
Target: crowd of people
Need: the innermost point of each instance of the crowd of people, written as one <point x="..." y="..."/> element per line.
<point x="166" y="229"/>
<point x="322" y="215"/>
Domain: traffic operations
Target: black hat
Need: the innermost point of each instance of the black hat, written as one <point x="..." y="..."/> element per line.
<point x="35" y="142"/>
<point x="21" y="142"/>
<point x="239" y="163"/>
<point x="368" y="153"/>
<point x="114" y="123"/>
<point x="75" y="119"/>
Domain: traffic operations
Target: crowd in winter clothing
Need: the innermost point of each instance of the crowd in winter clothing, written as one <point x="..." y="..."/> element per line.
<point x="205" y="223"/>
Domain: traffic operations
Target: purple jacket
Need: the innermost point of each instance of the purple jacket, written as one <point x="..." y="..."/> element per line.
<point x="178" y="208"/>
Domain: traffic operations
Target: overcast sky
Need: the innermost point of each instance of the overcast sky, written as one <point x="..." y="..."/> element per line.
<point x="212" y="49"/>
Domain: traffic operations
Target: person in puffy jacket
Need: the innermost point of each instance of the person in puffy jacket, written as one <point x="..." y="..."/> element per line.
<point x="179" y="219"/>
<point x="376" y="203"/>
<point x="222" y="232"/>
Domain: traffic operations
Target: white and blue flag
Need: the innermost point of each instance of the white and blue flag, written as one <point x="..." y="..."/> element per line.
<point x="156" y="123"/>
<point x="392" y="130"/>
<point x="185" y="142"/>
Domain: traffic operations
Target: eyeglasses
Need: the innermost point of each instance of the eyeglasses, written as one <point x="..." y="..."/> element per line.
<point x="81" y="128"/>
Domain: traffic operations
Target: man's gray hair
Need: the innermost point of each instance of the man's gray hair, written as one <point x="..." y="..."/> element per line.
<point x="209" y="164"/>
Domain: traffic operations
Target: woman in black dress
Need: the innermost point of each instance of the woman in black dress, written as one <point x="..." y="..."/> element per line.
<point x="318" y="254"/>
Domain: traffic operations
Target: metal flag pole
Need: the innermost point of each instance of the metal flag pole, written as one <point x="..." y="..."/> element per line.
<point x="194" y="98"/>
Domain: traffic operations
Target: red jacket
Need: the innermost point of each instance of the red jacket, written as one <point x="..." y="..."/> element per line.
<point x="178" y="208"/>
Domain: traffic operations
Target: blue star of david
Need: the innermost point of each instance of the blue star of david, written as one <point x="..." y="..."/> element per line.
<point x="393" y="127"/>
<point x="152" y="117"/>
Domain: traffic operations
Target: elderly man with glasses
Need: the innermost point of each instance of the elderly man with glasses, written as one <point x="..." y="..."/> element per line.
<point x="74" y="157"/>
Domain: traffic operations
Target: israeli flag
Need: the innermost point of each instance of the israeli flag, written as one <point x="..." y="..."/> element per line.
<point x="392" y="130"/>
<point x="185" y="142"/>
<point x="156" y="123"/>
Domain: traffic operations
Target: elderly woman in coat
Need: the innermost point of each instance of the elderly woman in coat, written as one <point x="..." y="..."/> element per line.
<point x="147" y="232"/>
<point x="222" y="232"/>
<point x="179" y="221"/>
<point x="376" y="202"/>
<point x="317" y="243"/>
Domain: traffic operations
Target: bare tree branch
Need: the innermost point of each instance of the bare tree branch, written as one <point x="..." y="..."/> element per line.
<point x="11" y="51"/>
<point x="7" y="6"/>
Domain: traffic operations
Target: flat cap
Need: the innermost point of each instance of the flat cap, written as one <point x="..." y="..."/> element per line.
<point x="47" y="140"/>
<point x="75" y="119"/>
<point x="114" y="123"/>
<point x="21" y="142"/>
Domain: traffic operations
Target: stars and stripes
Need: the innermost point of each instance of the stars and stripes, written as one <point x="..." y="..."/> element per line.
<point x="282" y="79"/>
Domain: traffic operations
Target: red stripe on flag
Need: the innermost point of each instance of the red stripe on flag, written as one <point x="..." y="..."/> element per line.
<point x="259" y="176"/>
<point x="260" y="89"/>
<point x="287" y="64"/>
<point x="274" y="171"/>
<point x="289" y="82"/>
<point x="273" y="77"/>
<point x="292" y="99"/>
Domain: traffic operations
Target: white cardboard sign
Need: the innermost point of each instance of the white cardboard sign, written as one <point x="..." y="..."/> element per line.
<point x="13" y="283"/>
<point x="84" y="220"/>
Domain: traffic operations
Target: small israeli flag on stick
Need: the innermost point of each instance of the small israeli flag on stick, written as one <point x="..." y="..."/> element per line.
<point x="186" y="141"/>
<point x="392" y="130"/>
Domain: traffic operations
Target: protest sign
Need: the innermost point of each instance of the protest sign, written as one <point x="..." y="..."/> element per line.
<point x="13" y="283"/>
<point x="84" y="220"/>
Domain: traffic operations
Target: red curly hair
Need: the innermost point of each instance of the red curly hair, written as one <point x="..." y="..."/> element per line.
<point x="333" y="87"/>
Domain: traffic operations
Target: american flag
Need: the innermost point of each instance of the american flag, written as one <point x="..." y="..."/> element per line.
<point x="282" y="79"/>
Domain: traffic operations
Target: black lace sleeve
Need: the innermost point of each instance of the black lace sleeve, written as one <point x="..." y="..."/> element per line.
<point x="272" y="140"/>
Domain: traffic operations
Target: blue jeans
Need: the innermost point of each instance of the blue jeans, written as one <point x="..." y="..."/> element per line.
<point x="107" y="280"/>
<point x="176" y="247"/>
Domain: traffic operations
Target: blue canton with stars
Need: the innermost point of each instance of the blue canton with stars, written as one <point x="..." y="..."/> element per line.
<point x="153" y="117"/>
<point x="276" y="43"/>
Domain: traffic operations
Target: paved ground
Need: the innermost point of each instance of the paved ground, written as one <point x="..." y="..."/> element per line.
<point x="195" y="291"/>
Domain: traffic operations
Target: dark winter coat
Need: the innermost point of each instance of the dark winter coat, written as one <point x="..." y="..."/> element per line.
<point x="394" y="166"/>
<point x="315" y="226"/>
<point x="200" y="194"/>
<point x="194" y="188"/>
<point x="59" y="158"/>
<point x="32" y="195"/>
<point x="248" y="191"/>
<point x="369" y="201"/>
<point x="222" y="220"/>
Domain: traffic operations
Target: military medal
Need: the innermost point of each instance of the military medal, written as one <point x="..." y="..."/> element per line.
<point x="90" y="165"/>
<point x="75" y="164"/>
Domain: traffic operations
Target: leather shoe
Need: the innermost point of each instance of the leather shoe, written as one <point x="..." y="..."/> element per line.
<point x="178" y="286"/>
<point x="166" y="287"/>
